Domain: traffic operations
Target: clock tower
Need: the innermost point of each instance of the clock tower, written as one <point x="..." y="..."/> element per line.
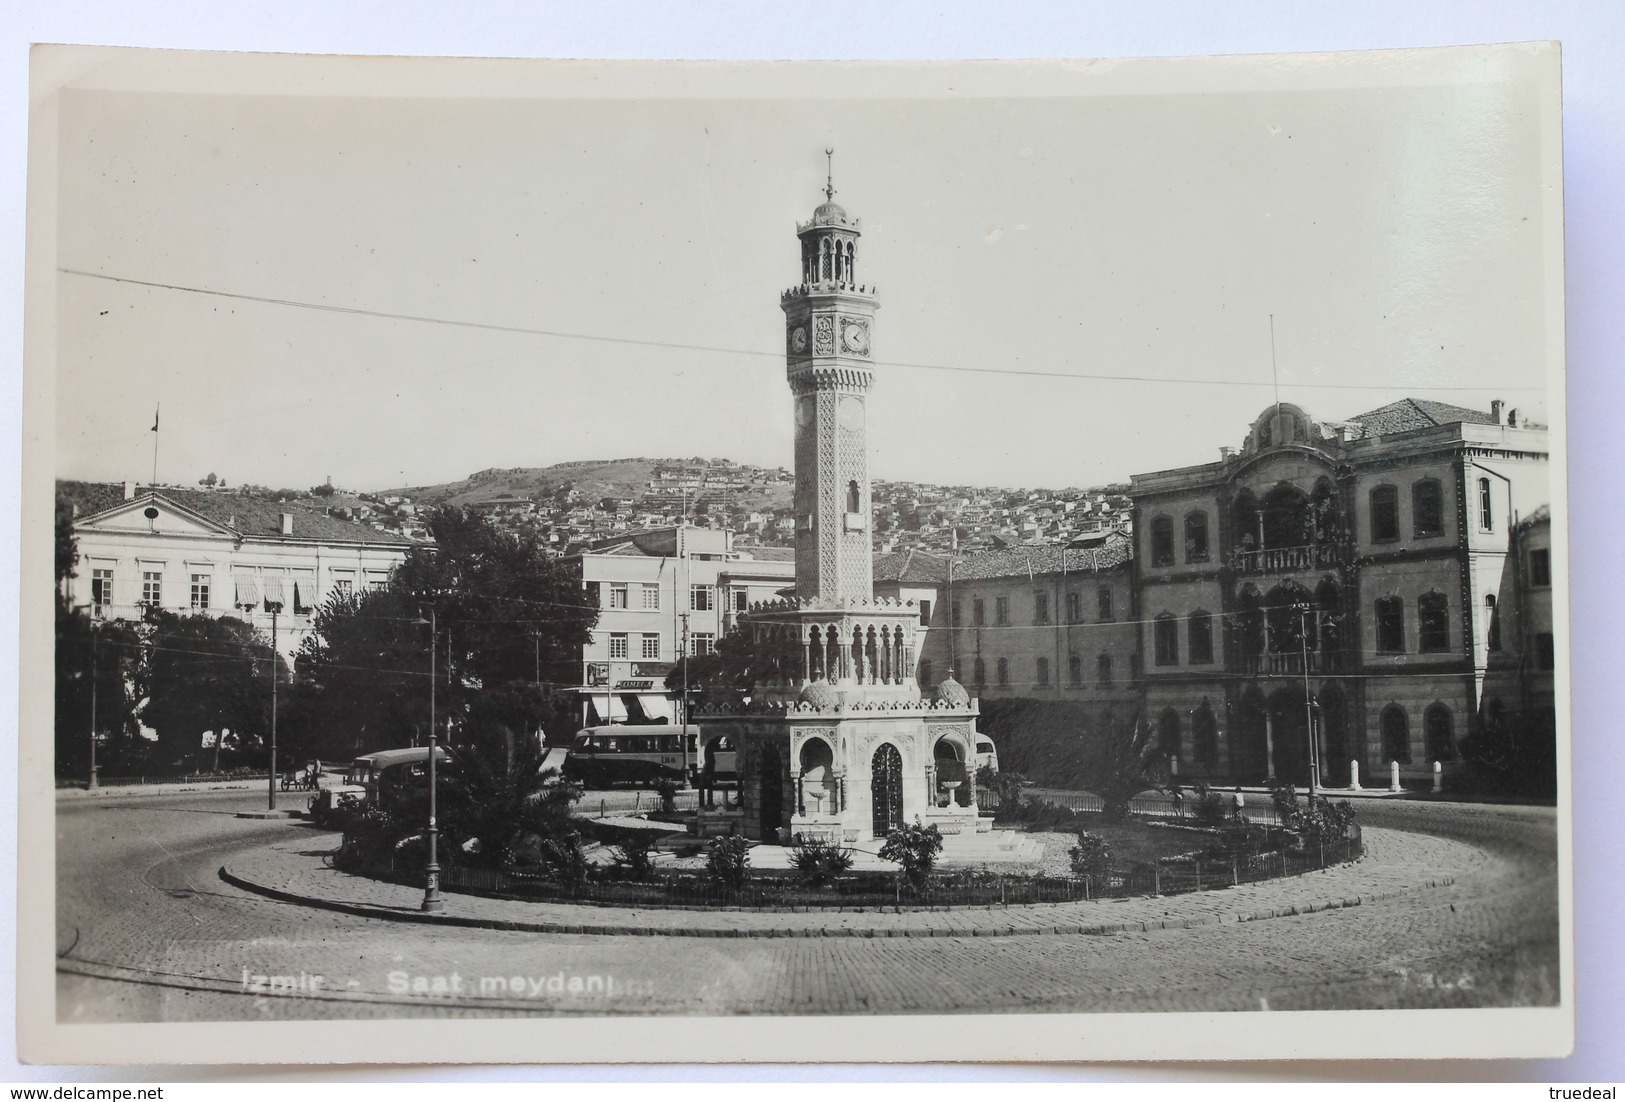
<point x="829" y="320"/>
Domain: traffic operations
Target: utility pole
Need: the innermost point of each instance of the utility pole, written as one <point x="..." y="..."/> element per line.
<point x="275" y="607"/>
<point x="683" y="708"/>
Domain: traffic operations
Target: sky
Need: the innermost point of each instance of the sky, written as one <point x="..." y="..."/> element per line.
<point x="587" y="264"/>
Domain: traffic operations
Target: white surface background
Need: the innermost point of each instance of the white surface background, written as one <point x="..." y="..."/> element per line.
<point x="1591" y="34"/>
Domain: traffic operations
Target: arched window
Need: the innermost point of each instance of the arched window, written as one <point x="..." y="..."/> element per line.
<point x="979" y="673"/>
<point x="1162" y="541"/>
<point x="1074" y="671"/>
<point x="1438" y="733"/>
<point x="1168" y="733"/>
<point x="1396" y="734"/>
<point x="1433" y="623"/>
<point x="1492" y="623"/>
<point x="1199" y="629"/>
<point x="1103" y="604"/>
<point x="1390" y="625"/>
<point x="1165" y="634"/>
<point x="1004" y="671"/>
<point x="1384" y="514"/>
<point x="1427" y="508"/>
<point x="853" y="503"/>
<point x="1196" y="549"/>
<point x="1103" y="671"/>
<point x="1205" y="734"/>
<point x="1486" y="506"/>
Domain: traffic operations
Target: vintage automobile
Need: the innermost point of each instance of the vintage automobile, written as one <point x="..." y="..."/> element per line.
<point x="395" y="780"/>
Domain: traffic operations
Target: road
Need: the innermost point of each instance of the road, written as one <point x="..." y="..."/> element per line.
<point x="147" y="932"/>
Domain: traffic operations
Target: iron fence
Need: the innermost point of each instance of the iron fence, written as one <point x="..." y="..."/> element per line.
<point x="1256" y="809"/>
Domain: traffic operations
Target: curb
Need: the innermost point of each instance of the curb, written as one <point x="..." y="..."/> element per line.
<point x="1103" y="929"/>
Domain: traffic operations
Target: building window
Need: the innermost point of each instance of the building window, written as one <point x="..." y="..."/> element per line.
<point x="1040" y="608"/>
<point x="702" y="642"/>
<point x="1540" y="567"/>
<point x="1165" y="634"/>
<point x="200" y="591"/>
<point x="1200" y="631"/>
<point x="1427" y="508"/>
<point x="1004" y="671"/>
<point x="1001" y="610"/>
<point x="1103" y="604"/>
<point x="1384" y="514"/>
<point x="1074" y="672"/>
<point x="925" y="614"/>
<point x="702" y="598"/>
<point x="618" y="595"/>
<point x="1196" y="538"/>
<point x="1390" y="625"/>
<point x="953" y="611"/>
<point x="1396" y="734"/>
<point x="1492" y="623"/>
<point x="1074" y="608"/>
<point x="1162" y="542"/>
<point x="925" y="673"/>
<point x="1043" y="673"/>
<point x="741" y="600"/>
<point x="1486" y="506"/>
<point x="979" y="672"/>
<point x="617" y="644"/>
<point x="1433" y="623"/>
<point x="1545" y="651"/>
<point x="651" y="598"/>
<point x="1438" y="733"/>
<point x="343" y="585"/>
<point x="101" y="589"/>
<point x="650" y="648"/>
<point x="377" y="585"/>
<point x="1103" y="671"/>
<point x="152" y="588"/>
<point x="1205" y="735"/>
<point x="978" y="612"/>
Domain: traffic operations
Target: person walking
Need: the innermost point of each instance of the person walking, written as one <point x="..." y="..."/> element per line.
<point x="1238" y="801"/>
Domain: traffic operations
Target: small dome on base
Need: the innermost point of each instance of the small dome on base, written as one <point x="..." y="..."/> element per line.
<point x="820" y="695"/>
<point x="952" y="692"/>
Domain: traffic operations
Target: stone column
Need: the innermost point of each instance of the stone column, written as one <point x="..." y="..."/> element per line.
<point x="1269" y="742"/>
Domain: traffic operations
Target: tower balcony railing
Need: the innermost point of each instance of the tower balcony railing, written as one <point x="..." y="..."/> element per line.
<point x="1292" y="662"/>
<point x="1287" y="560"/>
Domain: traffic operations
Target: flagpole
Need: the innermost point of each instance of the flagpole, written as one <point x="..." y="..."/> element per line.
<point x="156" y="410"/>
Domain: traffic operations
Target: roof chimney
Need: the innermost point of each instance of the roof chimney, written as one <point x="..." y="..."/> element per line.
<point x="1512" y="419"/>
<point x="287" y="524"/>
<point x="1495" y="410"/>
<point x="129" y="490"/>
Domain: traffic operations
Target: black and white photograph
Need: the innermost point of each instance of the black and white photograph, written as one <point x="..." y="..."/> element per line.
<point x="801" y="561"/>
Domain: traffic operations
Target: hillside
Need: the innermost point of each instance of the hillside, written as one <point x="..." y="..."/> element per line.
<point x="595" y="479"/>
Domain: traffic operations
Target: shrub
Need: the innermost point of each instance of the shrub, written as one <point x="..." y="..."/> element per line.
<point x="564" y="861"/>
<point x="1006" y="789"/>
<point x="1325" y="821"/>
<point x="727" y="862"/>
<point x="817" y="863"/>
<point x="1091" y="856"/>
<point x="1285" y="799"/>
<point x="635" y="854"/>
<point x="1209" y="805"/>
<point x="667" y="790"/>
<point x="915" y="849"/>
<point x="1047" y="815"/>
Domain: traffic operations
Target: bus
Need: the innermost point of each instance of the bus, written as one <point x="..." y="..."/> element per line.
<point x="624" y="753"/>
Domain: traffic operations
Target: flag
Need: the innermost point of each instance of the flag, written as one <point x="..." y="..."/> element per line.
<point x="155" y="419"/>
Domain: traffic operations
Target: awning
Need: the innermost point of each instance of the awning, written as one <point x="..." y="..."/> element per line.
<point x="274" y="589"/>
<point x="248" y="588"/>
<point x="657" y="707"/>
<point x="617" y="710"/>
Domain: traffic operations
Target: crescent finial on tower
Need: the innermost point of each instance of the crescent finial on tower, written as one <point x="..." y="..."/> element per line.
<point x="829" y="177"/>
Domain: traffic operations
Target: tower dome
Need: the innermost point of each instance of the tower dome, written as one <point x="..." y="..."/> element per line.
<point x="952" y="692"/>
<point x="820" y="696"/>
<point x="829" y="213"/>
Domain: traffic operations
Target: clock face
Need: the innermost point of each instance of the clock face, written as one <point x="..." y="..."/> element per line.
<point x="851" y="413"/>
<point x="798" y="339"/>
<point x="855" y="335"/>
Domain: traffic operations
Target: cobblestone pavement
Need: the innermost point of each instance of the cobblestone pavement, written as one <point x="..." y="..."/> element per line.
<point x="147" y="932"/>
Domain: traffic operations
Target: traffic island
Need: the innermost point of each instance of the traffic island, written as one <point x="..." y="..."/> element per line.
<point x="279" y="813"/>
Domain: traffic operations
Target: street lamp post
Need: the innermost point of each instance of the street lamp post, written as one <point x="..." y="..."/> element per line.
<point x="275" y="607"/>
<point x="683" y="707"/>
<point x="94" y="634"/>
<point x="1308" y="705"/>
<point x="432" y="901"/>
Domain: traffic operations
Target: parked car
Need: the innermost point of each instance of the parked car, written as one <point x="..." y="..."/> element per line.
<point x="395" y="780"/>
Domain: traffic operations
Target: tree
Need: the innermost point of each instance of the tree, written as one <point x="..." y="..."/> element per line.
<point x="205" y="673"/>
<point x="1125" y="762"/>
<point x="110" y="659"/>
<point x="736" y="664"/>
<point x="509" y="802"/>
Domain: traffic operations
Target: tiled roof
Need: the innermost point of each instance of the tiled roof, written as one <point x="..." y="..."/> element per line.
<point x="248" y="515"/>
<point x="773" y="554"/>
<point x="922" y="567"/>
<point x="1418" y="413"/>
